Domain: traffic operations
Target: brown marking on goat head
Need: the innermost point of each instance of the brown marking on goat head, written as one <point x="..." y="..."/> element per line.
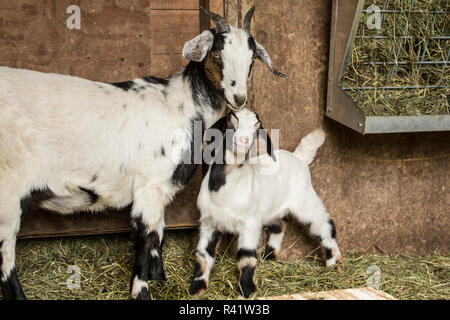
<point x="213" y="71"/>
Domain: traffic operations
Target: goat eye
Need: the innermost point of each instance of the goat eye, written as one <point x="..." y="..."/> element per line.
<point x="216" y="55"/>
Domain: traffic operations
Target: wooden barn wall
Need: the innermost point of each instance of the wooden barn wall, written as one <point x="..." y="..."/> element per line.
<point x="386" y="193"/>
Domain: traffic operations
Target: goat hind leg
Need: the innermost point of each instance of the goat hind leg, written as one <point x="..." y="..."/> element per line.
<point x="276" y="232"/>
<point x="323" y="227"/>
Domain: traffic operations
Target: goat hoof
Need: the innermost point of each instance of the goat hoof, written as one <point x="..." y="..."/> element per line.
<point x="157" y="275"/>
<point x="247" y="289"/>
<point x="198" y="286"/>
<point x="143" y="295"/>
<point x="269" y="254"/>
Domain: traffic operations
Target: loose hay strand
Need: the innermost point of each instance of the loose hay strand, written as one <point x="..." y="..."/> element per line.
<point x="105" y="264"/>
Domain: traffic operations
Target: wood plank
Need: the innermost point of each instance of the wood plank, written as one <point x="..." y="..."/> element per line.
<point x="163" y="65"/>
<point x="343" y="294"/>
<point x="174" y="21"/>
<point x="112" y="44"/>
<point x="217" y="6"/>
<point x="170" y="29"/>
<point x="174" y="4"/>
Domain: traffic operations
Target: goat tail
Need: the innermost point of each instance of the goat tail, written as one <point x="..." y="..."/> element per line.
<point x="307" y="148"/>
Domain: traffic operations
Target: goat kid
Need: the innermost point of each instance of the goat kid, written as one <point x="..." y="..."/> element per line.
<point x="242" y="195"/>
<point x="93" y="145"/>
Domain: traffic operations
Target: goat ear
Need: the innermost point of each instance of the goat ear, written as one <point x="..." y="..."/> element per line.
<point x="262" y="134"/>
<point x="197" y="48"/>
<point x="262" y="54"/>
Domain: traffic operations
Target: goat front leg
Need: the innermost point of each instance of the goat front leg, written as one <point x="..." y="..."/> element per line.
<point x="246" y="258"/>
<point x="206" y="251"/>
<point x="147" y="220"/>
<point x="14" y="205"/>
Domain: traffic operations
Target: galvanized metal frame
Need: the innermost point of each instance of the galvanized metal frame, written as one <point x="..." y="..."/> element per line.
<point x="340" y="107"/>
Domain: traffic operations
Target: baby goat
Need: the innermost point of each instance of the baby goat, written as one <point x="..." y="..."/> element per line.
<point x="240" y="197"/>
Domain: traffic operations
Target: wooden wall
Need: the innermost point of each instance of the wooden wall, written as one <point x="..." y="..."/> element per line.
<point x="118" y="39"/>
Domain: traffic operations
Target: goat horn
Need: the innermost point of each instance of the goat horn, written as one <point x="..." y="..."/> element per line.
<point x="248" y="19"/>
<point x="221" y="24"/>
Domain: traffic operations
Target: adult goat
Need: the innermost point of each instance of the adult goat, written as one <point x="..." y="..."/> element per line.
<point x="93" y="145"/>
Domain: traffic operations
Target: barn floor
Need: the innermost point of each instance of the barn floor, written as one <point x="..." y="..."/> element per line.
<point x="105" y="264"/>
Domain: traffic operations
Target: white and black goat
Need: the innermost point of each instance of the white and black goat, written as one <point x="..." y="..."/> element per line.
<point x="242" y="196"/>
<point x="92" y="145"/>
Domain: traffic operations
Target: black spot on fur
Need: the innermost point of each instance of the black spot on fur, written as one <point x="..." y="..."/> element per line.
<point x="269" y="253"/>
<point x="333" y="228"/>
<point x="219" y="40"/>
<point x="328" y="253"/>
<point x="156" y="265"/>
<point x="94" y="178"/>
<point x="143" y="295"/>
<point x="185" y="171"/>
<point x="25" y="205"/>
<point x="246" y="281"/>
<point x="156" y="269"/>
<point x="197" y="285"/>
<point x="274" y="228"/>
<point x="146" y="266"/>
<point x="212" y="244"/>
<point x="197" y="270"/>
<point x="93" y="196"/>
<point x="124" y="106"/>
<point x="163" y="152"/>
<point x="138" y="89"/>
<point x="216" y="176"/>
<point x="203" y="92"/>
<point x="11" y="288"/>
<point x="155" y="80"/>
<point x="125" y="85"/>
<point x="245" y="253"/>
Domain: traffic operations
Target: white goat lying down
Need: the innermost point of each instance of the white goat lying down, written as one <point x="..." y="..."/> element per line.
<point x="241" y="197"/>
<point x="92" y="145"/>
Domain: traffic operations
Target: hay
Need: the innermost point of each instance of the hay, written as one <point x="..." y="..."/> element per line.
<point x="422" y="43"/>
<point x="106" y="262"/>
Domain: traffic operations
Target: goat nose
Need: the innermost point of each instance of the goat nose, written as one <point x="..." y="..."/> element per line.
<point x="240" y="100"/>
<point x="244" y="140"/>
